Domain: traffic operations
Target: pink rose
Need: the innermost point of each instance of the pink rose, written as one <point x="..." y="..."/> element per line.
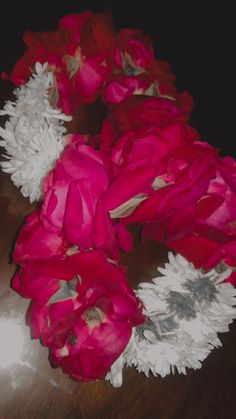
<point x="33" y="235"/>
<point x="214" y="229"/>
<point x="132" y="57"/>
<point x="88" y="54"/>
<point x="135" y="71"/>
<point x="138" y="45"/>
<point x="188" y="171"/>
<point x="85" y="314"/>
<point x="139" y="156"/>
<point x="74" y="205"/>
<point x="195" y="214"/>
<point x="119" y="123"/>
<point x="143" y="162"/>
<point x="78" y="77"/>
<point x="90" y="76"/>
<point x="144" y="111"/>
<point x="121" y="87"/>
<point x="148" y="146"/>
<point x="73" y="24"/>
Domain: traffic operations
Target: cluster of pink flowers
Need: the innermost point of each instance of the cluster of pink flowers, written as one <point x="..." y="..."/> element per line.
<point x="148" y="167"/>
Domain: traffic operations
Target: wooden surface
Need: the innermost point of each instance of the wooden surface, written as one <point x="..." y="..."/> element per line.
<point x="31" y="389"/>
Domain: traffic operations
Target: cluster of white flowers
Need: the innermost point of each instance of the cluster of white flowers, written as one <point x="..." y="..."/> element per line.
<point x="185" y="308"/>
<point x="34" y="135"/>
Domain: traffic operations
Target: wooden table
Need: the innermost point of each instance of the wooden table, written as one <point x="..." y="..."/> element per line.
<point x="31" y="389"/>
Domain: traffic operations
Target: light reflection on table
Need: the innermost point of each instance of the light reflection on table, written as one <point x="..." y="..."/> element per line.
<point x="12" y="342"/>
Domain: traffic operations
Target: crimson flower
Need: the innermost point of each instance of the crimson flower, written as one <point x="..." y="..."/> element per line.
<point x="82" y="308"/>
<point x="74" y="204"/>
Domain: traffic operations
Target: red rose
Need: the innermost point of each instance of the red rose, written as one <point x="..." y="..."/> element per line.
<point x="33" y="235"/>
<point x="138" y="111"/>
<point x="73" y="205"/>
<point x="148" y="160"/>
<point x="84" y="311"/>
<point x="214" y="229"/>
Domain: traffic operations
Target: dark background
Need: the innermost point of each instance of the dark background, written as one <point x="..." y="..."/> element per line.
<point x="197" y="41"/>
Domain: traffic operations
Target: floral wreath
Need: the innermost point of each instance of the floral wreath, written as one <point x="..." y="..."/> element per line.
<point x="147" y="167"/>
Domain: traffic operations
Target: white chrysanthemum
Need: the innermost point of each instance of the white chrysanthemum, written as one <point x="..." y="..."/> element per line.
<point x="34" y="135"/>
<point x="186" y="308"/>
<point x="115" y="375"/>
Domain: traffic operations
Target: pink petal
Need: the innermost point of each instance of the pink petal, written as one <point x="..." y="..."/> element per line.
<point x="33" y="236"/>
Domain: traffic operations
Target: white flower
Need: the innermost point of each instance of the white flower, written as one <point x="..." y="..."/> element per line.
<point x="115" y="375"/>
<point x="186" y="308"/>
<point x="34" y="135"/>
